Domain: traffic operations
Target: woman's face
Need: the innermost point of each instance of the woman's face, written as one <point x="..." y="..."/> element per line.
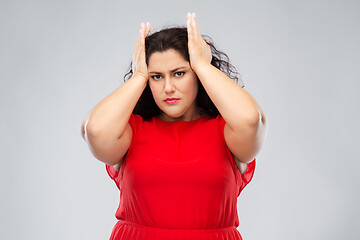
<point x="171" y="77"/>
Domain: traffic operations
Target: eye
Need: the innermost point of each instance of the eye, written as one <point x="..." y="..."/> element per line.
<point x="179" y="74"/>
<point x="156" y="77"/>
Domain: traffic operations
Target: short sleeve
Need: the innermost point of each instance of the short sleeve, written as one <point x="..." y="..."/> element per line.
<point x="241" y="179"/>
<point x="135" y="121"/>
<point x="114" y="175"/>
<point x="248" y="174"/>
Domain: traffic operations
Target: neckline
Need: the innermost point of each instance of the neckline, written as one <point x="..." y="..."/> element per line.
<point x="180" y="121"/>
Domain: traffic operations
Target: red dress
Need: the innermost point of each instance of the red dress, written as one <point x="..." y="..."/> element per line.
<point x="178" y="180"/>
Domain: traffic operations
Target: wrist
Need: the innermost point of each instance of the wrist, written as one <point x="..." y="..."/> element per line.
<point x="200" y="67"/>
<point x="140" y="75"/>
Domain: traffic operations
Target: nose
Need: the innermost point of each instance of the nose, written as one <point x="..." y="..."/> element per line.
<point x="169" y="85"/>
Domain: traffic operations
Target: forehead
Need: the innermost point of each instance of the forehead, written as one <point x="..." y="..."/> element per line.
<point x="166" y="61"/>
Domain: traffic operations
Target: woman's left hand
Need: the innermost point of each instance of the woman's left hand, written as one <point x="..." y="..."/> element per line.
<point x="199" y="50"/>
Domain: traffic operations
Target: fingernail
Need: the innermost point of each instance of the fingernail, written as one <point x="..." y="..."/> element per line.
<point x="147" y="23"/>
<point x="193" y="14"/>
<point x="188" y="14"/>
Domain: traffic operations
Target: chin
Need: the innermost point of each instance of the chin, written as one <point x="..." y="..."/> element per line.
<point x="173" y="114"/>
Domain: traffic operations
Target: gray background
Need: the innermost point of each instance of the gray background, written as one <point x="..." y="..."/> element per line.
<point x="299" y="59"/>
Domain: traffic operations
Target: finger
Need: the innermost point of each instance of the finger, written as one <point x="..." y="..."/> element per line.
<point x="188" y="18"/>
<point x="138" y="38"/>
<point x="192" y="29"/>
<point x="137" y="41"/>
<point x="142" y="29"/>
<point x="148" y="27"/>
<point x="189" y="29"/>
<point x="188" y="21"/>
<point x="142" y="41"/>
<point x="142" y="38"/>
<point x="137" y="49"/>
<point x="195" y="26"/>
<point x="136" y="45"/>
<point x="191" y="24"/>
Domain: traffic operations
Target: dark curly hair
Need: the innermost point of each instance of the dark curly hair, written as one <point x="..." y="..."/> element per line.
<point x="176" y="38"/>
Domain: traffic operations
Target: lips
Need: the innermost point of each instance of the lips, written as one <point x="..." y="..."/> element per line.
<point x="171" y="100"/>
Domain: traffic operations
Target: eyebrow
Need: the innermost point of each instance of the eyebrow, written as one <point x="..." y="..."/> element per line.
<point x="174" y="70"/>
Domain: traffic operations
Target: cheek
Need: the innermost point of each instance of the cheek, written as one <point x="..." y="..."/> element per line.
<point x="154" y="90"/>
<point x="194" y="87"/>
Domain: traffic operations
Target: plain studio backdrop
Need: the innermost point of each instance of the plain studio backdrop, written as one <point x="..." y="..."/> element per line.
<point x="299" y="59"/>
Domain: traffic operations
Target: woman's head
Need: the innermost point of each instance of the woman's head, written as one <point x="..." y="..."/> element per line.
<point x="172" y="43"/>
<point x="168" y="38"/>
<point x="173" y="84"/>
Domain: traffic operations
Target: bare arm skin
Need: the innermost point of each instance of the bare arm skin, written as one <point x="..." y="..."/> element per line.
<point x="106" y="129"/>
<point x="246" y="125"/>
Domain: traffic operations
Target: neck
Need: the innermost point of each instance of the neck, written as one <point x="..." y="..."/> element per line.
<point x="185" y="117"/>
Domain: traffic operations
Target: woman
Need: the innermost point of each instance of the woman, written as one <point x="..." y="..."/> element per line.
<point x="179" y="138"/>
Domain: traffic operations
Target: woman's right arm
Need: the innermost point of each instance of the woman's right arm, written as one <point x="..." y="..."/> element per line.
<point x="106" y="129"/>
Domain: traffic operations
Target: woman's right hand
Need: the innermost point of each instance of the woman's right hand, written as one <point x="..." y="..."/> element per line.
<point x="139" y="61"/>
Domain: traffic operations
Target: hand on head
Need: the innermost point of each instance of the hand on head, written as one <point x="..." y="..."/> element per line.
<point x="139" y="61"/>
<point x="199" y="50"/>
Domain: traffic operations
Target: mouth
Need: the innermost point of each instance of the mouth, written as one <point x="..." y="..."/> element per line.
<point x="171" y="100"/>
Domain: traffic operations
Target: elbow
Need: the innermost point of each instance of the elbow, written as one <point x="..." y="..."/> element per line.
<point x="87" y="130"/>
<point x="258" y="119"/>
<point x="83" y="130"/>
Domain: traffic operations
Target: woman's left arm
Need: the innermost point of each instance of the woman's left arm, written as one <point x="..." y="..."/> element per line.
<point x="246" y="126"/>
